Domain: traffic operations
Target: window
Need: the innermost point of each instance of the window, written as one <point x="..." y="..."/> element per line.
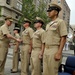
<point x="16" y="24"/>
<point x="8" y="2"/>
<point x="63" y="16"/>
<point x="59" y="1"/>
<point x="17" y="16"/>
<point x="19" y="6"/>
<point x="68" y="21"/>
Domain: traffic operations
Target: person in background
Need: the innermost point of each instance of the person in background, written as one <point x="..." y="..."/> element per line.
<point x="16" y="51"/>
<point x="5" y="37"/>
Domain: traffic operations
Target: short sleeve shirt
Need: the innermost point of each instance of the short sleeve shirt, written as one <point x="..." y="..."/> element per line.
<point x="17" y="36"/>
<point x="27" y="35"/>
<point x="4" y="30"/>
<point x="38" y="38"/>
<point x="54" y="31"/>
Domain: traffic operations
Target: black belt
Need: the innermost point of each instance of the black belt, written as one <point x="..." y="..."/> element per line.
<point x="25" y="44"/>
<point x="49" y="46"/>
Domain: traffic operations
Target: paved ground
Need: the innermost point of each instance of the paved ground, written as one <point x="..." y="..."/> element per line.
<point x="8" y="65"/>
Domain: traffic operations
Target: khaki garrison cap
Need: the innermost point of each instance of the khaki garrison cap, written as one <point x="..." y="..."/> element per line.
<point x="53" y="7"/>
<point x="8" y="18"/>
<point x="39" y="20"/>
<point x="17" y="28"/>
<point x="26" y="21"/>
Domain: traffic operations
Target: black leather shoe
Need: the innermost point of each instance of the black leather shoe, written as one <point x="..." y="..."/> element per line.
<point x="13" y="71"/>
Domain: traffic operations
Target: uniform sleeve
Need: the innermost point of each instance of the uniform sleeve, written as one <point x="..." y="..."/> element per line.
<point x="62" y="29"/>
<point x="43" y="37"/>
<point x="5" y="30"/>
<point x="47" y="26"/>
<point x="31" y="33"/>
<point x="18" y="36"/>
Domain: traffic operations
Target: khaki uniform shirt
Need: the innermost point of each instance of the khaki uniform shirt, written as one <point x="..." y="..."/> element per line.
<point x="3" y="31"/>
<point x="38" y="38"/>
<point x="17" y="36"/>
<point x="54" y="31"/>
<point x="27" y="35"/>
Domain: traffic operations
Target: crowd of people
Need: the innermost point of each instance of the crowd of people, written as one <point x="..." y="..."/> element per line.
<point x="46" y="45"/>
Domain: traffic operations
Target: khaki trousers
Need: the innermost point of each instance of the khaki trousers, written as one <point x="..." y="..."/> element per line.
<point x="3" y="56"/>
<point x="25" y="59"/>
<point x="35" y="62"/>
<point x="50" y="65"/>
<point x="15" y="61"/>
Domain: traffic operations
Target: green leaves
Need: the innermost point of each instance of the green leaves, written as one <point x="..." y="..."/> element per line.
<point x="29" y="11"/>
<point x="1" y="23"/>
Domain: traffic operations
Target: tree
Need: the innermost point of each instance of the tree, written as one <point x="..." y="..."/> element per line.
<point x="29" y="11"/>
<point x="41" y="12"/>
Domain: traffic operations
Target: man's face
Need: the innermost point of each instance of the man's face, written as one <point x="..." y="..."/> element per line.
<point x="52" y="13"/>
<point x="8" y="22"/>
<point x="36" y="25"/>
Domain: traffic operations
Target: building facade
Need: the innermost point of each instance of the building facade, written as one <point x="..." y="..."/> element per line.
<point x="11" y="8"/>
<point x="73" y="26"/>
<point x="70" y="34"/>
<point x="38" y="2"/>
<point x="65" y="12"/>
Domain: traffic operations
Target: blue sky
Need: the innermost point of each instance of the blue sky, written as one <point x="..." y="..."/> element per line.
<point x="71" y="4"/>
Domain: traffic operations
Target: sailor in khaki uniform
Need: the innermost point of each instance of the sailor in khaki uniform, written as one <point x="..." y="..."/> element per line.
<point x="4" y="42"/>
<point x="38" y="46"/>
<point x="16" y="49"/>
<point x="56" y="32"/>
<point x="26" y="47"/>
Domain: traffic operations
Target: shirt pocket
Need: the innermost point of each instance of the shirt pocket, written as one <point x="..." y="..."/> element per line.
<point x="36" y="35"/>
<point x="26" y="33"/>
<point x="56" y="40"/>
<point x="54" y="26"/>
<point x="52" y="31"/>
